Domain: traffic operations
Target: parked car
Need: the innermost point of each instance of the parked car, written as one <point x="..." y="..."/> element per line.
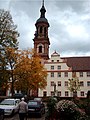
<point x="18" y="95"/>
<point x="1" y="114"/>
<point x="38" y="99"/>
<point x="36" y="107"/>
<point x="10" y="106"/>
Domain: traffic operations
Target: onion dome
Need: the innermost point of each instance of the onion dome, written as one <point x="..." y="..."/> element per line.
<point x="42" y="16"/>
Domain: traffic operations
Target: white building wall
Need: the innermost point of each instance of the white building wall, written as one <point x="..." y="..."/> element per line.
<point x="64" y="68"/>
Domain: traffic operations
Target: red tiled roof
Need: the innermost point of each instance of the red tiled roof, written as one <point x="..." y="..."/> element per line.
<point x="78" y="63"/>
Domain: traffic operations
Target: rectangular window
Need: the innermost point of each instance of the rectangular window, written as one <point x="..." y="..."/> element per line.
<point x="88" y="83"/>
<point x="52" y="74"/>
<point x="59" y="93"/>
<point x="81" y="83"/>
<point x="66" y="74"/>
<point x="10" y="79"/>
<point x="52" y="60"/>
<point x="59" y="83"/>
<point x="59" y="74"/>
<point x="52" y="83"/>
<point x="44" y="94"/>
<point x="73" y="74"/>
<point x="52" y="93"/>
<point x="82" y="93"/>
<point x="81" y="74"/>
<point x="59" y="67"/>
<point x="52" y="67"/>
<point x="57" y="60"/>
<point x="66" y="94"/>
<point x="66" y="83"/>
<point x="88" y="74"/>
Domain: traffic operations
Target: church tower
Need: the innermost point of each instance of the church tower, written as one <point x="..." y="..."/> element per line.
<point x="41" y="40"/>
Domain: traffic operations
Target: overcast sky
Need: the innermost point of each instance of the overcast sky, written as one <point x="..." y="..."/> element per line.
<point x="69" y="20"/>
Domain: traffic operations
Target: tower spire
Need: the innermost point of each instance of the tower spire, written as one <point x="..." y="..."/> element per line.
<point x="43" y="3"/>
<point x="42" y="10"/>
<point x="41" y="40"/>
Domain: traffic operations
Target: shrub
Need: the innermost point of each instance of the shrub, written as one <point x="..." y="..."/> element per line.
<point x="87" y="109"/>
<point x="51" y="108"/>
<point x="68" y="110"/>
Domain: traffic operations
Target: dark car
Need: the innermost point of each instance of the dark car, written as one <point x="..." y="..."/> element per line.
<point x="1" y="114"/>
<point x="18" y="95"/>
<point x="36" y="107"/>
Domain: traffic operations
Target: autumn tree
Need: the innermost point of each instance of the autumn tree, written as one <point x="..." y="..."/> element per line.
<point x="12" y="57"/>
<point x="25" y="70"/>
<point x="74" y="85"/>
<point x="3" y="82"/>
<point x="8" y="38"/>
<point x="31" y="74"/>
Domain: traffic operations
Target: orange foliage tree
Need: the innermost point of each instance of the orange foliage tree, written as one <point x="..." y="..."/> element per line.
<point x="30" y="73"/>
<point x="12" y="57"/>
<point x="25" y="70"/>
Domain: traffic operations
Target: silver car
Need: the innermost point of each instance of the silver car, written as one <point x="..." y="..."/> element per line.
<point x="10" y="106"/>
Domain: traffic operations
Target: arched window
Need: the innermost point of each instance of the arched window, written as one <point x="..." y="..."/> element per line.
<point x="41" y="29"/>
<point x="45" y="30"/>
<point x="40" y="49"/>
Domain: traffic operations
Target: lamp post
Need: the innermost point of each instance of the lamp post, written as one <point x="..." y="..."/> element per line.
<point x="54" y="89"/>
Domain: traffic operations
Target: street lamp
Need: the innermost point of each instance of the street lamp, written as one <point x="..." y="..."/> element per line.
<point x="54" y="88"/>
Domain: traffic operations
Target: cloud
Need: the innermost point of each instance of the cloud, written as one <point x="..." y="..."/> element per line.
<point x="69" y="20"/>
<point x="26" y="29"/>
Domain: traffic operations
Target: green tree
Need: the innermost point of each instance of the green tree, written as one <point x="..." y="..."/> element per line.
<point x="8" y="38"/>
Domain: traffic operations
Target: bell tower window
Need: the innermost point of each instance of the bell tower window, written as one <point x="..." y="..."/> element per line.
<point x="40" y="49"/>
<point x="41" y="29"/>
<point x="45" y="31"/>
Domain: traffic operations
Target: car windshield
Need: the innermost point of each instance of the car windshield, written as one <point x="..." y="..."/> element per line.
<point x="38" y="99"/>
<point x="7" y="102"/>
<point x="32" y="103"/>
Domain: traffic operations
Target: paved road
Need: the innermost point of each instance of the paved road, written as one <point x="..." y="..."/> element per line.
<point x="16" y="117"/>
